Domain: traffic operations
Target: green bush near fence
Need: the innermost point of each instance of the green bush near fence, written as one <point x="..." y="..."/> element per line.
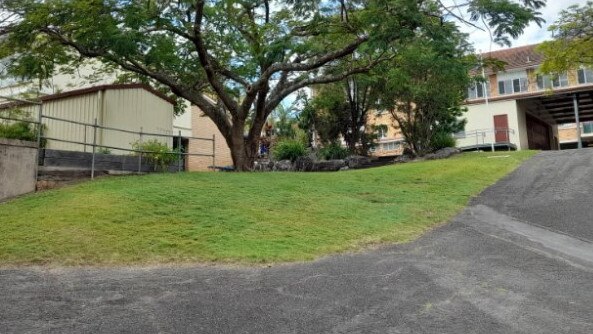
<point x="21" y="130"/>
<point x="159" y="154"/>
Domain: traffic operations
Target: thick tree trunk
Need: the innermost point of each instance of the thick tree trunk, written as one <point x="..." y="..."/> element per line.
<point x="243" y="149"/>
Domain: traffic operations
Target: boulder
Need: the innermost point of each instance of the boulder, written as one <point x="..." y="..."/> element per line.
<point x="283" y="166"/>
<point x="328" y="165"/>
<point x="263" y="166"/>
<point x="304" y="163"/>
<point x="443" y="153"/>
<point x="402" y="159"/>
<point x="357" y="161"/>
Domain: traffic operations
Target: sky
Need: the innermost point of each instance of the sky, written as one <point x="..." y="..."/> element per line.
<point x="532" y="35"/>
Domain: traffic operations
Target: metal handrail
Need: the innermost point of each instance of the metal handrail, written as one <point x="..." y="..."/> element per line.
<point x="482" y="132"/>
<point x="121" y="130"/>
<point x="125" y="149"/>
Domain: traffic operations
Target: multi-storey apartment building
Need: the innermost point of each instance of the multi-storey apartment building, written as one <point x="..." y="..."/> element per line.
<point x="520" y="108"/>
<point x="390" y="140"/>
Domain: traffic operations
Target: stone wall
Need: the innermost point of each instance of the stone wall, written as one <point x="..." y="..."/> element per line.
<point x="17" y="167"/>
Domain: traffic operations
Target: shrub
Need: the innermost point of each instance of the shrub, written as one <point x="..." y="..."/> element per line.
<point x="18" y="129"/>
<point x="289" y="149"/>
<point x="441" y="140"/>
<point x="159" y="154"/>
<point x="103" y="150"/>
<point x="333" y="151"/>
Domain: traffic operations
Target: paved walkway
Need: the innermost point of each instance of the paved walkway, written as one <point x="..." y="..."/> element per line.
<point x="519" y="259"/>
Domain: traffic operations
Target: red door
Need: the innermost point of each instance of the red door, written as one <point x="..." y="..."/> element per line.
<point x="501" y="128"/>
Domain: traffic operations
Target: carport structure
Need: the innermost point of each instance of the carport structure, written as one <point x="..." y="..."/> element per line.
<point x="551" y="108"/>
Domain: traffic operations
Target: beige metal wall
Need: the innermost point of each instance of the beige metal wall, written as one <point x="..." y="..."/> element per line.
<point x="135" y="109"/>
<point x="82" y="108"/>
<point x="128" y="109"/>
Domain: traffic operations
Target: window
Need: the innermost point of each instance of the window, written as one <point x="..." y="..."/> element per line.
<point x="587" y="127"/>
<point x="477" y="90"/>
<point x="511" y="86"/>
<point x="585" y="75"/>
<point x="391" y="146"/>
<point x="552" y="81"/>
<point x="381" y="130"/>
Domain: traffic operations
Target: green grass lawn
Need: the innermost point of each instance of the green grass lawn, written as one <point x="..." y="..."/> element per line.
<point x="240" y="218"/>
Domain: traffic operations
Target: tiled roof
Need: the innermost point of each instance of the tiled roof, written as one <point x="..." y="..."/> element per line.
<point x="517" y="58"/>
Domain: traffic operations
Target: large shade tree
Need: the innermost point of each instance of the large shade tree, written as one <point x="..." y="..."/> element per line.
<point x="426" y="86"/>
<point x="342" y="109"/>
<point x="247" y="55"/>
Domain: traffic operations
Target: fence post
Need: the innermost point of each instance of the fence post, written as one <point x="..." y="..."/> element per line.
<point x="94" y="149"/>
<point x="140" y="155"/>
<point x="214" y="152"/>
<point x="509" y="139"/>
<point x="179" y="152"/>
<point x="39" y="134"/>
<point x="84" y="141"/>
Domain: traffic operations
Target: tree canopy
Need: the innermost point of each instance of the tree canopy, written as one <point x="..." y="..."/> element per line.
<point x="425" y="88"/>
<point x="573" y="40"/>
<point x="246" y="54"/>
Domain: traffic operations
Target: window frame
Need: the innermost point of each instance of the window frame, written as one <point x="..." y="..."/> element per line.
<point x="587" y="75"/>
<point x="473" y="92"/>
<point x="546" y="81"/>
<point x="508" y="82"/>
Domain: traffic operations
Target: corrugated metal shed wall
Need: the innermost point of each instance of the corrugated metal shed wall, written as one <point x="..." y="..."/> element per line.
<point x="82" y="108"/>
<point x="133" y="109"/>
<point x="128" y="109"/>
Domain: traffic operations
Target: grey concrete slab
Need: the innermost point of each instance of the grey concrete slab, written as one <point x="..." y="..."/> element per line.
<point x="488" y="271"/>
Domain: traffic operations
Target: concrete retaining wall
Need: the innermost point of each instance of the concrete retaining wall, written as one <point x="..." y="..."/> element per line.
<point x="17" y="167"/>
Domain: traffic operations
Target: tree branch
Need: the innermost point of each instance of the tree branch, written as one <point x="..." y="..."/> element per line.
<point x="280" y="93"/>
<point x="205" y="59"/>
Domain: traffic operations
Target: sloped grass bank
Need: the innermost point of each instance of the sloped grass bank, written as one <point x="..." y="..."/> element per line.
<point x="245" y="218"/>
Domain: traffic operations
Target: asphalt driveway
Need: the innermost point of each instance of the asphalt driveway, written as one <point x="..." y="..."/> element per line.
<point x="519" y="259"/>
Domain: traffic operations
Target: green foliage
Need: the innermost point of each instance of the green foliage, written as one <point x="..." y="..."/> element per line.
<point x="284" y="122"/>
<point x="156" y="152"/>
<point x="247" y="55"/>
<point x="333" y="151"/>
<point x="426" y="85"/>
<point x="22" y="130"/>
<point x="573" y="40"/>
<point x="306" y="121"/>
<point x="289" y="149"/>
<point x="18" y="130"/>
<point x="342" y="111"/>
<point x="103" y="150"/>
<point x="441" y="140"/>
